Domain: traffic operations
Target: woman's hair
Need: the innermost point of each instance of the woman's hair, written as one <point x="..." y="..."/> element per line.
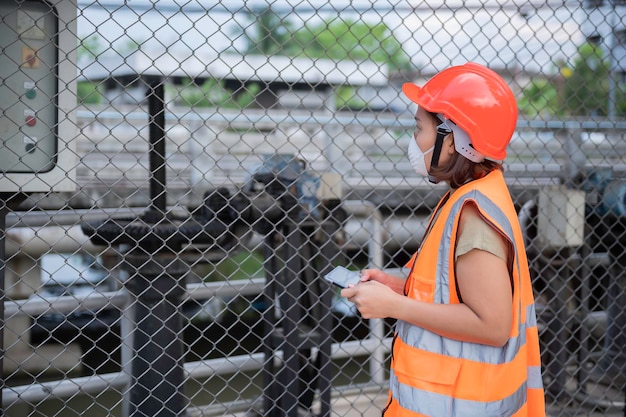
<point x="459" y="170"/>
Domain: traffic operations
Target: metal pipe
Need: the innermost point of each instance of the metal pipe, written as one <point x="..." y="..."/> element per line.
<point x="8" y="201"/>
<point x="96" y="384"/>
<point x="36" y="305"/>
<point x="375" y="250"/>
<point x="156" y="104"/>
<point x="396" y="231"/>
<point x="156" y="284"/>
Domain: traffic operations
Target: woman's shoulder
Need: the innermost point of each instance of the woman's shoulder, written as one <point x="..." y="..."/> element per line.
<point x="475" y="232"/>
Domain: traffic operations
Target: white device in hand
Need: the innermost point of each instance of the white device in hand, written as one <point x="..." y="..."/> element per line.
<point x="343" y="277"/>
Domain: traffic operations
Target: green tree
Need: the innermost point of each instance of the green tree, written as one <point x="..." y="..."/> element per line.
<point x="212" y="93"/>
<point x="340" y="39"/>
<point x="346" y="39"/>
<point x="88" y="92"/>
<point x="578" y="90"/>
<point x="268" y="33"/>
<point x="89" y="48"/>
<point x="586" y="91"/>
<point x="336" y="38"/>
<point x="539" y="99"/>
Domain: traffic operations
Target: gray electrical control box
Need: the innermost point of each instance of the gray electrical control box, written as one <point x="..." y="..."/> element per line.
<point x="38" y="95"/>
<point x="561" y="217"/>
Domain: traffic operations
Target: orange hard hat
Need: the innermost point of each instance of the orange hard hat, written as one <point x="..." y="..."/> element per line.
<point x="477" y="100"/>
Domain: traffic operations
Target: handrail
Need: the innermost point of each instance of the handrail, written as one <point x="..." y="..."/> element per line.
<point x="95" y="384"/>
<point x="37" y="305"/>
<point x="340" y="118"/>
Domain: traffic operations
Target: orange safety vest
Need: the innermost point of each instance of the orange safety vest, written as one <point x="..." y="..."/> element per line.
<point x="435" y="376"/>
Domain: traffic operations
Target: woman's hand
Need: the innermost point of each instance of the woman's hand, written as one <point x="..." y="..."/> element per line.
<point x="395" y="283"/>
<point x="373" y="299"/>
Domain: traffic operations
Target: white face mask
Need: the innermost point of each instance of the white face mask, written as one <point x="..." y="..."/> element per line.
<point x="416" y="157"/>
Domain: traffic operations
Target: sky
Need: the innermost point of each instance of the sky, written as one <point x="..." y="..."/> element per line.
<point x="492" y="32"/>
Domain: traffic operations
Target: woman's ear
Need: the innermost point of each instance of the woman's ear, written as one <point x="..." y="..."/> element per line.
<point x="449" y="144"/>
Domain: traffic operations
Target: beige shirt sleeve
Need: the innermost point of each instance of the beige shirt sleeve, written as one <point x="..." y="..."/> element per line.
<point x="475" y="233"/>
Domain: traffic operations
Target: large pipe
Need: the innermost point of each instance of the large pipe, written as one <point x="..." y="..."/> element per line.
<point x="396" y="231"/>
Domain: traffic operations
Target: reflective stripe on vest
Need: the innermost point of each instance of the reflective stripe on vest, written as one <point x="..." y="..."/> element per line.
<point x="436" y="376"/>
<point x="437" y="405"/>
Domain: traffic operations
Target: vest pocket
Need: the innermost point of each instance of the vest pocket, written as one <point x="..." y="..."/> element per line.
<point x="422" y="289"/>
<point x="441" y="372"/>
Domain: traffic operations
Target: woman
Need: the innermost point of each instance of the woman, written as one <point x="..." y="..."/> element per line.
<point x="466" y="341"/>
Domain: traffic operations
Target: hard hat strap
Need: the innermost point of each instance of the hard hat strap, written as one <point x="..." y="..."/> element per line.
<point x="443" y="130"/>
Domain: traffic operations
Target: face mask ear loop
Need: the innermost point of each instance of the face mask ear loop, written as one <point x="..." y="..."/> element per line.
<point x="442" y="131"/>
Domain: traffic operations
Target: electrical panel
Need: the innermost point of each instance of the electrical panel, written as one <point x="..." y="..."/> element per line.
<point x="561" y="217"/>
<point x="38" y="90"/>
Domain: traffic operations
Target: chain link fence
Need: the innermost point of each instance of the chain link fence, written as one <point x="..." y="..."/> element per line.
<point x="178" y="176"/>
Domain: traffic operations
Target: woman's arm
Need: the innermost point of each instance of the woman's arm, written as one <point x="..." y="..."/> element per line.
<point x="484" y="316"/>
<point x="483" y="280"/>
<point x="485" y="313"/>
